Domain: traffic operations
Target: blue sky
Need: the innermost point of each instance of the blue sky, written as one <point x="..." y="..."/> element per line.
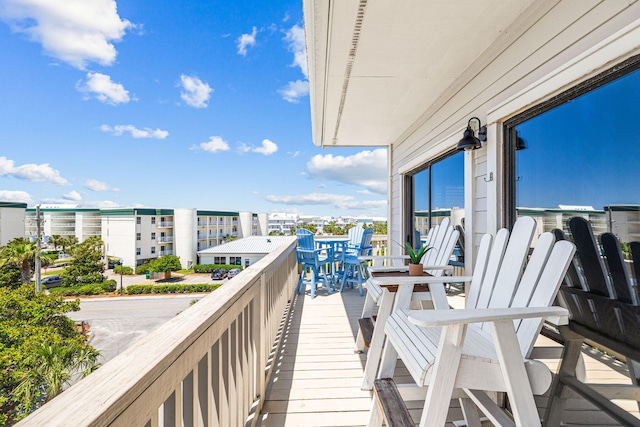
<point x="199" y="104"/>
<point x="584" y="152"/>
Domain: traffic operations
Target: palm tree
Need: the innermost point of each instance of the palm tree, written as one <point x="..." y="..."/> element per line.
<point x="55" y="240"/>
<point x="55" y="365"/>
<point x="68" y="241"/>
<point x="22" y="253"/>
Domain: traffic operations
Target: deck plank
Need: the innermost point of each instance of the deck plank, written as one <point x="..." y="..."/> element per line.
<point x="317" y="376"/>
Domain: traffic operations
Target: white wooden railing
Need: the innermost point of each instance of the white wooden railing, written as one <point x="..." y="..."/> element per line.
<point x="208" y="366"/>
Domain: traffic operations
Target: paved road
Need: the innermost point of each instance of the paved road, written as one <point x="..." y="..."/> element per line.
<point x="116" y="323"/>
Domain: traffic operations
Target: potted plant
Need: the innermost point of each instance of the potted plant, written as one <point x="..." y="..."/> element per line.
<point x="415" y="267"/>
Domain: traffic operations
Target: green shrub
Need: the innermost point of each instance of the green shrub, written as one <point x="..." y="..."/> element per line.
<point x="143" y="268"/>
<point x="90" y="289"/>
<point x="208" y="268"/>
<point x="125" y="269"/>
<point x="171" y="289"/>
<point x="109" y="285"/>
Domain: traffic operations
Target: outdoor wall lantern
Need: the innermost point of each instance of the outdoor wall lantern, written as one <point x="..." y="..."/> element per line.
<point x="469" y="140"/>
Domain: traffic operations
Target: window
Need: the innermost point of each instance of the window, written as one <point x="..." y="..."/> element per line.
<point x="153" y="220"/>
<point x="138" y="220"/>
<point x="576" y="156"/>
<point x="235" y="260"/>
<point x="434" y="191"/>
<point x="220" y="260"/>
<point x="153" y="236"/>
<point x="138" y="236"/>
<point x="138" y="251"/>
<point x="153" y="249"/>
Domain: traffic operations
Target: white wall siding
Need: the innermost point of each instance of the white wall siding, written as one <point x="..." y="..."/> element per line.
<point x="12" y="224"/>
<point x="118" y="235"/>
<point x="552" y="38"/>
<point x="185" y="230"/>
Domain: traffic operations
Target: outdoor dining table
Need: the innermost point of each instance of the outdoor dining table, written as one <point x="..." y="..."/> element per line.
<point x="397" y="291"/>
<point x="331" y="245"/>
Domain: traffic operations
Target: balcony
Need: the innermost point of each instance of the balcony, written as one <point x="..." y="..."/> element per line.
<point x="166" y="239"/>
<point x="207" y="365"/>
<point x="165" y="224"/>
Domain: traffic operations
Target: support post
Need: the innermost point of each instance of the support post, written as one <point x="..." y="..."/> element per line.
<point x="38" y="237"/>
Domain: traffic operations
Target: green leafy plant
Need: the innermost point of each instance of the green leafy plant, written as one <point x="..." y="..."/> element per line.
<point x="416" y="256"/>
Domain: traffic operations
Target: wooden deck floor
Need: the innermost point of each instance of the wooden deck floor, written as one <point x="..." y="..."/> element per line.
<point x="317" y="376"/>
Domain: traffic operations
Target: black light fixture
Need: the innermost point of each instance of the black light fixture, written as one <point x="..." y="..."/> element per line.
<point x="469" y="140"/>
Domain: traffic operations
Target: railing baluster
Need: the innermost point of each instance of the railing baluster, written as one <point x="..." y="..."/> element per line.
<point x="206" y="367"/>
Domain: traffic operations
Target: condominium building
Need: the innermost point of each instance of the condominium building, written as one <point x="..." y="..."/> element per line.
<point x="63" y="221"/>
<point x="12" y="221"/>
<point x="138" y="235"/>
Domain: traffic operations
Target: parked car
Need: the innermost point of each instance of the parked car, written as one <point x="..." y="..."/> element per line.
<point x="219" y="273"/>
<point x="233" y="272"/>
<point x="51" y="281"/>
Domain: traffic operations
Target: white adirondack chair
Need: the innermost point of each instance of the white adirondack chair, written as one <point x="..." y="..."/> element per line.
<point x="443" y="239"/>
<point x="485" y="346"/>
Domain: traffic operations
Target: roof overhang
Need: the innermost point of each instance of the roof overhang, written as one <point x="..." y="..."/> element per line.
<point x="379" y="68"/>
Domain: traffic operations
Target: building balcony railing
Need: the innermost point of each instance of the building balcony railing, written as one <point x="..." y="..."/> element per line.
<point x="210" y="362"/>
<point x="165" y="239"/>
<point x="165" y="224"/>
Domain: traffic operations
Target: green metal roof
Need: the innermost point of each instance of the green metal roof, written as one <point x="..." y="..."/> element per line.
<point x="216" y="213"/>
<point x="622" y="208"/>
<point x="13" y="205"/>
<point x="65" y="210"/>
<point x="136" y="211"/>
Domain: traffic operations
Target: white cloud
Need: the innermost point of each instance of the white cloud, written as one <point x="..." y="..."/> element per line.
<point x="74" y="31"/>
<point x="118" y="130"/>
<point x="195" y="92"/>
<point x="15" y="196"/>
<point x="246" y="40"/>
<point x="366" y="168"/>
<point x="215" y="144"/>
<point x="243" y="148"/>
<point x="296" y="44"/>
<point x="31" y="172"/>
<point x="293" y="91"/>
<point x="294" y="154"/>
<point x="101" y="86"/>
<point x="99" y="204"/>
<point x="339" y="201"/>
<point x="72" y="195"/>
<point x="95" y="185"/>
<point x="267" y="148"/>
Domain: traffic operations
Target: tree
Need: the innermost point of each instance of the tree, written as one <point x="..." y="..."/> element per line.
<point x="229" y="238"/>
<point x="87" y="264"/>
<point x="166" y="264"/>
<point x="380" y="227"/>
<point x="21" y="253"/>
<point x="40" y="350"/>
<point x="68" y="242"/>
<point x="56" y="240"/>
<point x="311" y="227"/>
<point x="10" y="276"/>
<point x="333" y="228"/>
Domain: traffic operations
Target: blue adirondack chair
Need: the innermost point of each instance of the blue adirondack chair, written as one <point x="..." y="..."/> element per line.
<point x="354" y="270"/>
<point x="312" y="259"/>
